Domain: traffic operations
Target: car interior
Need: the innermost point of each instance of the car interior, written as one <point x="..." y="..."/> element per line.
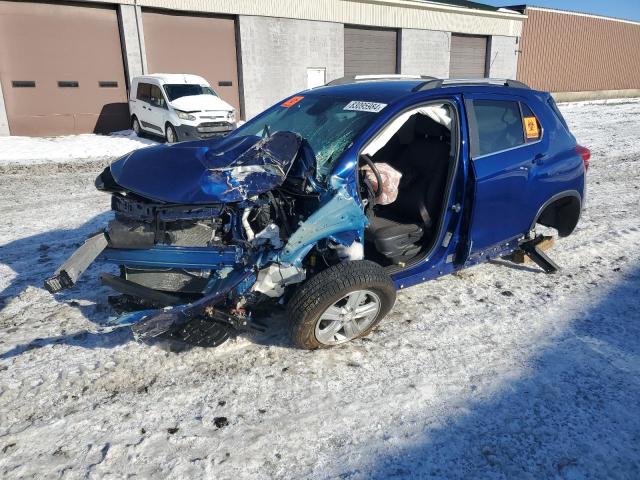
<point x="418" y="145"/>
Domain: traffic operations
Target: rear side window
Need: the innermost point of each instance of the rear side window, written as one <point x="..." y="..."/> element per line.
<point x="531" y="124"/>
<point x="144" y="92"/>
<point x="498" y="126"/>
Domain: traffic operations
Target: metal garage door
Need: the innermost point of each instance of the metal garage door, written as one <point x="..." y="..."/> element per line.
<point x="468" y="56"/>
<point x="61" y="69"/>
<point x="196" y="44"/>
<point x="369" y="51"/>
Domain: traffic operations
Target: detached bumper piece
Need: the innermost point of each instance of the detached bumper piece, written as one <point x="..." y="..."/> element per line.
<point x="67" y="275"/>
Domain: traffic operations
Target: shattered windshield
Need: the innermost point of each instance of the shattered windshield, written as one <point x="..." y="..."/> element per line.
<point x="329" y="124"/>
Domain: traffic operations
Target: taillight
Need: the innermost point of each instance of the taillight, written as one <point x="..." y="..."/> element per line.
<point x="585" y="153"/>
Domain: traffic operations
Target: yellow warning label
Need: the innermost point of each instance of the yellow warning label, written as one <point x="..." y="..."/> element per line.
<point x="531" y="127"/>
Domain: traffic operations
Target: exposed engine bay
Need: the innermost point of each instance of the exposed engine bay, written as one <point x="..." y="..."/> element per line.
<point x="216" y="232"/>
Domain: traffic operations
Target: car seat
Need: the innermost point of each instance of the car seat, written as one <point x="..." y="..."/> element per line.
<point x="398" y="230"/>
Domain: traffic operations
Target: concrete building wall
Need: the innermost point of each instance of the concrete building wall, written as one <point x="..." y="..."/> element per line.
<point x="276" y="53"/>
<point x="132" y="39"/>
<point x="4" y="121"/>
<point x="424" y="52"/>
<point x="502" y="57"/>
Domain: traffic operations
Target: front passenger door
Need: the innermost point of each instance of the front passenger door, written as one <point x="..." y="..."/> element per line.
<point x="157" y="110"/>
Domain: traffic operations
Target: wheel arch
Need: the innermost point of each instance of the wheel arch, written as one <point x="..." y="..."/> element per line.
<point x="562" y="212"/>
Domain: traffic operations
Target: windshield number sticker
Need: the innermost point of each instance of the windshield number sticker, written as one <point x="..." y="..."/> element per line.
<point x="360" y="106"/>
<point x="292" y="101"/>
<point x="531" y="127"/>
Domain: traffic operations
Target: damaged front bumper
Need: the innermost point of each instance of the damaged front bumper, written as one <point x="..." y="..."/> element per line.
<point x="211" y="234"/>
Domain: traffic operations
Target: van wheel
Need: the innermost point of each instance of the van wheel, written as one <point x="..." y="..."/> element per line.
<point x="135" y="126"/>
<point x="339" y="304"/>
<point x="170" y="134"/>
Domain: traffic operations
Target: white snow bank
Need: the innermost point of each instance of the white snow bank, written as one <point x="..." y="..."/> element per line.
<point x="37" y="150"/>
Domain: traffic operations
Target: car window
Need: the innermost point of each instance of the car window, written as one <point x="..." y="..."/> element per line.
<point x="175" y="91"/>
<point x="532" y="127"/>
<point x="155" y="98"/>
<point x="498" y="124"/>
<point x="144" y="92"/>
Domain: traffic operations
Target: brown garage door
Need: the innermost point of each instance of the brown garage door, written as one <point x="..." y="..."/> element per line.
<point x="468" y="56"/>
<point x="61" y="69"/>
<point x="369" y="51"/>
<point x="200" y="45"/>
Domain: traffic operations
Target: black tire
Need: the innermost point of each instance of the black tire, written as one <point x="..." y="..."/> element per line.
<point x="169" y="132"/>
<point x="323" y="290"/>
<point x="140" y="132"/>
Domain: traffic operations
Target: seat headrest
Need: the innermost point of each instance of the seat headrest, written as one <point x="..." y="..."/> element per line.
<point x="430" y="128"/>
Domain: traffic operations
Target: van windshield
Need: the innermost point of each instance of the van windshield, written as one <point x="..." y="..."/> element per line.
<point x="329" y="124"/>
<point x="186" y="90"/>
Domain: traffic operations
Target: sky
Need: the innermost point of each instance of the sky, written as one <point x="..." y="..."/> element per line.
<point x="627" y="9"/>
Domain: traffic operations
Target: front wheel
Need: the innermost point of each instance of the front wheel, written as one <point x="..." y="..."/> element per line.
<point x="170" y="134"/>
<point x="135" y="126"/>
<point x="339" y="304"/>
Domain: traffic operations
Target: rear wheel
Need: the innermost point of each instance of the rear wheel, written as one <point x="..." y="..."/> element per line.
<point x="342" y="303"/>
<point x="170" y="134"/>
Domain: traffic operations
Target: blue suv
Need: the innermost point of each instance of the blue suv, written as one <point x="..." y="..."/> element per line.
<point x="329" y="202"/>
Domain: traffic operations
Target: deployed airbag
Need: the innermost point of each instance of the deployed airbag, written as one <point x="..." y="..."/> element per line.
<point x="390" y="182"/>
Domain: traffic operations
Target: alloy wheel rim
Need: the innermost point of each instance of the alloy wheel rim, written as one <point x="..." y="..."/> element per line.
<point x="136" y="127"/>
<point x="347" y="318"/>
<point x="170" y="136"/>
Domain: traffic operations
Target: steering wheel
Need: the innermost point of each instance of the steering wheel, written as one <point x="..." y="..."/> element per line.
<point x="376" y="173"/>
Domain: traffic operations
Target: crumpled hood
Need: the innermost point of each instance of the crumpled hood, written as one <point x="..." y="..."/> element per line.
<point x="195" y="103"/>
<point x="226" y="170"/>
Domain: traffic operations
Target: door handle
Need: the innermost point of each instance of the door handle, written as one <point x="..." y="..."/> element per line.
<point x="539" y="159"/>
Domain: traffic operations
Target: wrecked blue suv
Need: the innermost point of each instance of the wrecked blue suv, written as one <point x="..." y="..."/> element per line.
<point x="329" y="202"/>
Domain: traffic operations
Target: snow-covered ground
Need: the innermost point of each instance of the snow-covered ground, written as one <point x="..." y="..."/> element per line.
<point x="498" y="372"/>
<point x="69" y="149"/>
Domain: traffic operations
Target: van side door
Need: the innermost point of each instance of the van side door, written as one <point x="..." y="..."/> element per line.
<point x="143" y="109"/>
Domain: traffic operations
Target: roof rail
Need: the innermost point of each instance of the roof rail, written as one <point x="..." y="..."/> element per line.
<point x="364" y="78"/>
<point x="437" y="83"/>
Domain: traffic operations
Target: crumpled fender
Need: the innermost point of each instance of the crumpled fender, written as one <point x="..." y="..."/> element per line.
<point x="341" y="214"/>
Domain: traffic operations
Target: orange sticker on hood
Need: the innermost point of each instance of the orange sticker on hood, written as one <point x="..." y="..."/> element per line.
<point x="292" y="101"/>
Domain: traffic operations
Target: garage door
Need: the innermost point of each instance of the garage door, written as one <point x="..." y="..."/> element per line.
<point x="200" y="45"/>
<point x="61" y="69"/>
<point x="468" y="56"/>
<point x="369" y="51"/>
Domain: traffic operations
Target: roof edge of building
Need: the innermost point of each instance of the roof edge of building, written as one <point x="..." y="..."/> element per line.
<point x="579" y="14"/>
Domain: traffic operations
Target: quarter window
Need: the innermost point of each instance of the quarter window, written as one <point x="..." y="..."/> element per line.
<point x="531" y="124"/>
<point x="498" y="126"/>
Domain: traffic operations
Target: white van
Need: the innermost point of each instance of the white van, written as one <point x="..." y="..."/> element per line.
<point x="178" y="107"/>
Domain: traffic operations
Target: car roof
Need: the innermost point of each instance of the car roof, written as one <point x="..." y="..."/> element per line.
<point x="185" y="78"/>
<point x="392" y="88"/>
